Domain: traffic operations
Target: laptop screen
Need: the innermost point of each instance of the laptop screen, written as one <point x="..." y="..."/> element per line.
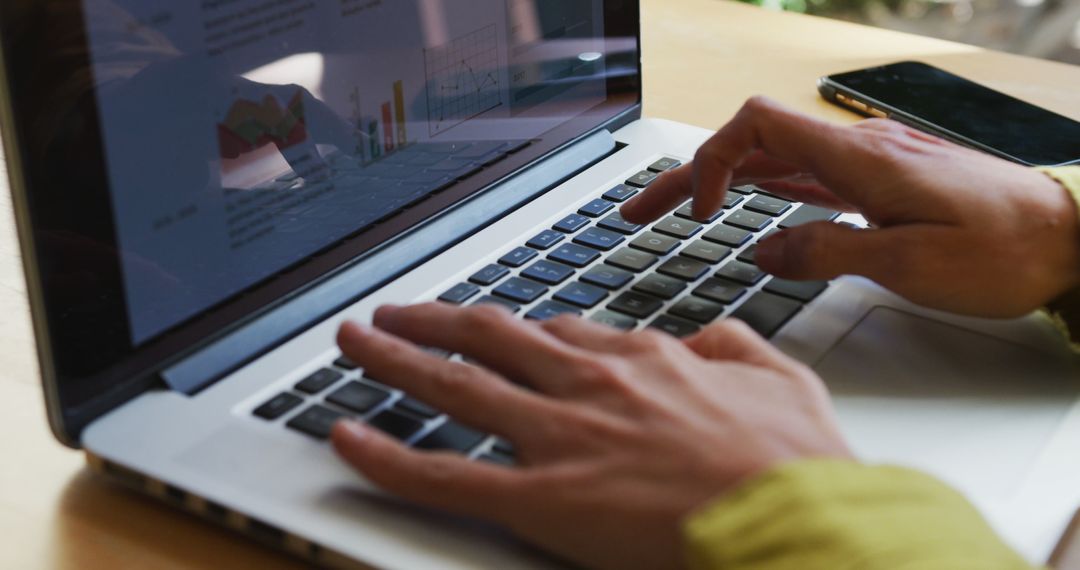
<point x="180" y="156"/>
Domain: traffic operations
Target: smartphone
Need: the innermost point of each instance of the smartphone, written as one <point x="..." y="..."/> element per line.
<point x="938" y="102"/>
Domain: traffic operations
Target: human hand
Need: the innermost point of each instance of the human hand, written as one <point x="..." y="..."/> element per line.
<point x="618" y="437"/>
<point x="954" y="229"/>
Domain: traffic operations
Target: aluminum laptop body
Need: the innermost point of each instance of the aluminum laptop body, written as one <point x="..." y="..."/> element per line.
<point x="205" y="192"/>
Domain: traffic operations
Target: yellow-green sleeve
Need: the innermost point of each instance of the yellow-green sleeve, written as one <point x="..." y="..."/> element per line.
<point x="842" y="515"/>
<point x="1065" y="311"/>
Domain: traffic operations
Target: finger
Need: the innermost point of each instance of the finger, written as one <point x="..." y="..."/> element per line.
<point x="441" y="480"/>
<point x="829" y="152"/>
<point x="662" y="196"/>
<point x="472" y="394"/>
<point x="584" y="334"/>
<point x="760" y="167"/>
<point x="823" y="251"/>
<point x="732" y="339"/>
<point x="808" y="193"/>
<point x="491" y="336"/>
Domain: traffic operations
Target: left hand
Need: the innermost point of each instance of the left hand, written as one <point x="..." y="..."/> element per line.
<point x="619" y="437"/>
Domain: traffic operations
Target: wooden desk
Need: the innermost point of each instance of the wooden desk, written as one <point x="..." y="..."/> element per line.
<point x="702" y="59"/>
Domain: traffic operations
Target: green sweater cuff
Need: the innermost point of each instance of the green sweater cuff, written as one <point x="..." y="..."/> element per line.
<point x="840" y="515"/>
<point x="1065" y="310"/>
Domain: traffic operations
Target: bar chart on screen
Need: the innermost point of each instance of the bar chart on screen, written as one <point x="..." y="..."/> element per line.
<point x="462" y="79"/>
<point x="387" y="130"/>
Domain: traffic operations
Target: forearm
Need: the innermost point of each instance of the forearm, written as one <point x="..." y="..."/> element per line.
<point x="843" y="515"/>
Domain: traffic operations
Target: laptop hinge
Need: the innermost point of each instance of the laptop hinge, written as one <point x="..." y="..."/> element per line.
<point x="381" y="266"/>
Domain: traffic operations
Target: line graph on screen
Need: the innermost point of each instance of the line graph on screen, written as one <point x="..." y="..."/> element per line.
<point x="462" y="79"/>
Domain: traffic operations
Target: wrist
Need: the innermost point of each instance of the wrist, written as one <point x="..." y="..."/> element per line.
<point x="1063" y="223"/>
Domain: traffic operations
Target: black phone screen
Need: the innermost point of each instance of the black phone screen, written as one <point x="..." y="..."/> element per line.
<point x="979" y="114"/>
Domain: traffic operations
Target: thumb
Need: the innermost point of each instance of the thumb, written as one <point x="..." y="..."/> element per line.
<point x="824" y="250"/>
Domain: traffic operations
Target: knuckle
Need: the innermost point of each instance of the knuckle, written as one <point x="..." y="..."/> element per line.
<point x="593" y="372"/>
<point x="560" y="323"/>
<point x="758" y="103"/>
<point x="735" y="328"/>
<point x="647" y="340"/>
<point x="451" y="378"/>
<point x="484" y="318"/>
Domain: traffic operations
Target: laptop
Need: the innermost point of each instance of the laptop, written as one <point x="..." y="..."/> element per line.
<point x="206" y="190"/>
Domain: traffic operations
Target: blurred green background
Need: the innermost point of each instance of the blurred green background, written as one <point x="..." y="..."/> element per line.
<point x="1047" y="29"/>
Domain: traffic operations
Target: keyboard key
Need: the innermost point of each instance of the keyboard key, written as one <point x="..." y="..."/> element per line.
<point x="747" y="255"/>
<point x="741" y="273"/>
<point x="451" y="436"/>
<point x="804" y="291"/>
<point x="489" y="275"/>
<point x="603" y="240"/>
<point x="697" y="310"/>
<point x="520" y="290"/>
<point x="417" y="408"/>
<point x="499" y="301"/>
<point x="575" y="255"/>
<point x="727" y="235"/>
<point x="641" y="179"/>
<point x="768" y="205"/>
<point x="664" y="165"/>
<point x="683" y="268"/>
<point x="630" y="259"/>
<point x="620" y="193"/>
<point x="687" y="212"/>
<point x="607" y="277"/>
<point x="345" y="363"/>
<point x="319" y="381"/>
<point x="748" y="220"/>
<point x="710" y="253"/>
<point x="675" y="327"/>
<point x="731" y="200"/>
<point x="614" y="320"/>
<point x="596" y="208"/>
<point x="766" y="313"/>
<point x="720" y="290"/>
<point x="397" y="424"/>
<point x="636" y="305"/>
<point x="616" y="223"/>
<point x="582" y="294"/>
<point x="571" y="223"/>
<point x="459" y="293"/>
<point x="316" y="421"/>
<point x="518" y="257"/>
<point x="807" y="214"/>
<point x="677" y="227"/>
<point x="653" y="242"/>
<point x="545" y="240"/>
<point x="358" y="397"/>
<point x="663" y="287"/>
<point x="278" y="406"/>
<point x="745" y="190"/>
<point x="548" y="272"/>
<point x="496" y="459"/>
<point x="550" y="309"/>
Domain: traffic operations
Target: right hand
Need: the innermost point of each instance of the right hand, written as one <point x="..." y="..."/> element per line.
<point x="953" y="229"/>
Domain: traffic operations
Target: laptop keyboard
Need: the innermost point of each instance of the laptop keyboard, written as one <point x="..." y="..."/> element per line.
<point x="676" y="275"/>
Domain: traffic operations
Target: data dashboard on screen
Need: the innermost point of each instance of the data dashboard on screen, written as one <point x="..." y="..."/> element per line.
<point x="243" y="135"/>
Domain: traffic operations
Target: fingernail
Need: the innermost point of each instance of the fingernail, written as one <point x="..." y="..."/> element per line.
<point x="770" y="253"/>
<point x="386" y="312"/>
<point x="353" y="429"/>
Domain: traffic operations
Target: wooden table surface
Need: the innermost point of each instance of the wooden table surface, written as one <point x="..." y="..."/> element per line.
<point x="702" y="59"/>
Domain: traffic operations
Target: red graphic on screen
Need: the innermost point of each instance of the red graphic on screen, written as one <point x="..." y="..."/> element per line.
<point x="251" y="125"/>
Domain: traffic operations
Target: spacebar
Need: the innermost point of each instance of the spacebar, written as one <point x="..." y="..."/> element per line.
<point x="766" y="313"/>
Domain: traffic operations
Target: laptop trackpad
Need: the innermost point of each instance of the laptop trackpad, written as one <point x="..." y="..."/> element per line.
<point x="972" y="409"/>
